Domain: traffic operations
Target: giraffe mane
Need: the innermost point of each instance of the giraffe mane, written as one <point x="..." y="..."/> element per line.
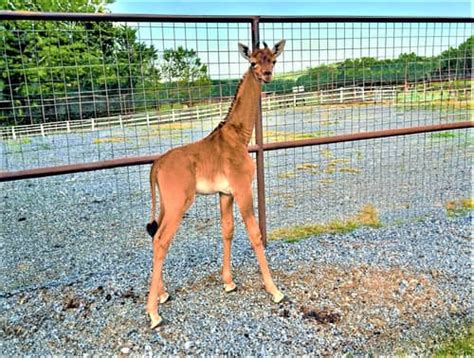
<point x="232" y="104"/>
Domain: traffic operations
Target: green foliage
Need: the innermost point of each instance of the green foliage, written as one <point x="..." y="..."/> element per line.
<point x="59" y="6"/>
<point x="16" y="145"/>
<point x="455" y="208"/>
<point x="186" y="75"/>
<point x="182" y="65"/>
<point x="407" y="67"/>
<point x="445" y="135"/>
<point x="457" y="347"/>
<point x="72" y="67"/>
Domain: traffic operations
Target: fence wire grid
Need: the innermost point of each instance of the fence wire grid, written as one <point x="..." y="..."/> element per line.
<point x="83" y="91"/>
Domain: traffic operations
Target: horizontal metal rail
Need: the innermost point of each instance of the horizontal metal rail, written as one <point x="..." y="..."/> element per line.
<point x="48" y="16"/>
<point x="148" y="159"/>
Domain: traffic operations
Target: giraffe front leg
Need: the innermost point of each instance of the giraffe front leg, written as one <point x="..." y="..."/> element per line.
<point x="227" y="222"/>
<point x="245" y="203"/>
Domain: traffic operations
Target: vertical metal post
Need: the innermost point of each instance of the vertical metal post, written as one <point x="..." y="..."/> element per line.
<point x="262" y="215"/>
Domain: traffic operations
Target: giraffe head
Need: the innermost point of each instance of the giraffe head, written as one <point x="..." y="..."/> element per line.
<point x="262" y="60"/>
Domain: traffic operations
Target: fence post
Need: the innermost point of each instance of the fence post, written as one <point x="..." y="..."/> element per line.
<point x="220" y="109"/>
<point x="68" y="127"/>
<point x="120" y="121"/>
<point x="147" y="120"/>
<point x="92" y="124"/>
<point x="262" y="215"/>
<point x="42" y="129"/>
<point x="13" y="133"/>
<point x="172" y="114"/>
<point x="341" y="95"/>
<point x="197" y="113"/>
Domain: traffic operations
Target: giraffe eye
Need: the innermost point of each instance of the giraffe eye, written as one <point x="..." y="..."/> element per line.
<point x="274" y="61"/>
<point x="253" y="64"/>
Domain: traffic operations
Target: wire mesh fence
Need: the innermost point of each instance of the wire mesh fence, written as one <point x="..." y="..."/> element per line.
<point x="77" y="91"/>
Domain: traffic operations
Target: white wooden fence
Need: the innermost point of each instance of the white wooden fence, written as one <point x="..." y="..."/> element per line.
<point x="269" y="102"/>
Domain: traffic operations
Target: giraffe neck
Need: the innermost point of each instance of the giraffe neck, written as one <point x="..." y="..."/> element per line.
<point x="244" y="109"/>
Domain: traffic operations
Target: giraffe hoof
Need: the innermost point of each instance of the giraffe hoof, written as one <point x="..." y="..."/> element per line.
<point x="156" y="320"/>
<point x="278" y="297"/>
<point x="164" y="297"/>
<point x="229" y="287"/>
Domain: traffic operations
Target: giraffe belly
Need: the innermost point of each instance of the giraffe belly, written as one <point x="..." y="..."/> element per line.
<point x="218" y="185"/>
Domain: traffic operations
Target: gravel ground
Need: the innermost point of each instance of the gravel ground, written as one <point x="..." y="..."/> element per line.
<point x="75" y="258"/>
<point x="372" y="291"/>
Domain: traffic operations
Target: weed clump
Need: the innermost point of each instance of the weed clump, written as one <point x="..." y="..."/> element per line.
<point x="368" y="216"/>
<point x="455" y="208"/>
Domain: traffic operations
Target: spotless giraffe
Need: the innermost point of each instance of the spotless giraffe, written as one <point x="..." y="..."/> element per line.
<point x="218" y="163"/>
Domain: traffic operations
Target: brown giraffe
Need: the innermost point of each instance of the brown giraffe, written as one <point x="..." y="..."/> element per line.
<point x="218" y="163"/>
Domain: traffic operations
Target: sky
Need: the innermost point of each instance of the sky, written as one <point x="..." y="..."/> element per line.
<point x="451" y="8"/>
<point x="308" y="45"/>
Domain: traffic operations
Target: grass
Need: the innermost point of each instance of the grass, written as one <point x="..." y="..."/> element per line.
<point x="327" y="181"/>
<point x="281" y="136"/>
<point x="457" y="84"/>
<point x="286" y="175"/>
<point x="350" y="170"/>
<point x="436" y="105"/>
<point x="172" y="130"/>
<point x="457" y="347"/>
<point x="339" y="165"/>
<point x="15" y="144"/>
<point x="327" y="153"/>
<point x="308" y="167"/>
<point x="334" y="166"/>
<point x="455" y="208"/>
<point x="174" y="126"/>
<point x="304" y="167"/>
<point x="445" y="135"/>
<point x="109" y="140"/>
<point x="367" y="217"/>
<point x="327" y="122"/>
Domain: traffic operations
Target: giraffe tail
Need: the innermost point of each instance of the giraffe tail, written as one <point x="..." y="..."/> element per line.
<point x="152" y="226"/>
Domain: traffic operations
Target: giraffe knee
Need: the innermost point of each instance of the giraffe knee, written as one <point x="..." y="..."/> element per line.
<point x="256" y="241"/>
<point x="227" y="230"/>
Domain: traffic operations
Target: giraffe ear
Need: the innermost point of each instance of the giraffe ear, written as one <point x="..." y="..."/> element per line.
<point x="244" y="51"/>
<point x="278" y="48"/>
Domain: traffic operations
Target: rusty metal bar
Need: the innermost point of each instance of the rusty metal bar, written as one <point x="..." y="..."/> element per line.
<point x="77" y="168"/>
<point x="65" y="16"/>
<point x="368" y="135"/>
<point x="96" y="17"/>
<point x="262" y="214"/>
<point x="148" y="159"/>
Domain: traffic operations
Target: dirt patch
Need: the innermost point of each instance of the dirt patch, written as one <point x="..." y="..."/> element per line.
<point x="363" y="301"/>
<point x="321" y="316"/>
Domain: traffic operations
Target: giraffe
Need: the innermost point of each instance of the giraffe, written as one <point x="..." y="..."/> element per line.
<point x="218" y="163"/>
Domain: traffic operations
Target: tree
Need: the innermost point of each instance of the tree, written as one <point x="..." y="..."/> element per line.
<point x="457" y="62"/>
<point x="186" y="74"/>
<point x="68" y="70"/>
<point x="182" y="65"/>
